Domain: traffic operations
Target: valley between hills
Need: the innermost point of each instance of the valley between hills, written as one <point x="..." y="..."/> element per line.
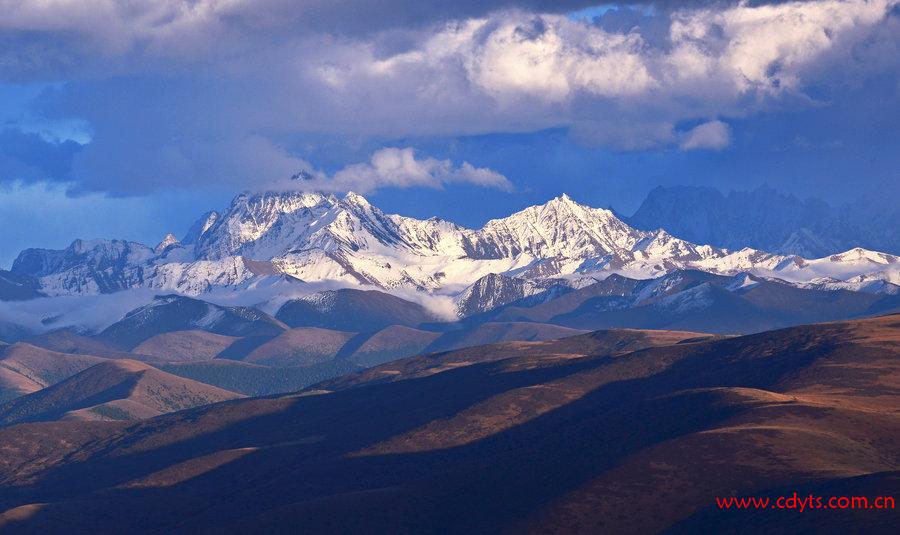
<point x="615" y="431"/>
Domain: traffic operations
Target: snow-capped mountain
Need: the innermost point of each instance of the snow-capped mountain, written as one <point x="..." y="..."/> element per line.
<point x="167" y="242"/>
<point x="86" y="266"/>
<point x="493" y="290"/>
<point x="346" y="241"/>
<point x="767" y="219"/>
<point x="168" y="313"/>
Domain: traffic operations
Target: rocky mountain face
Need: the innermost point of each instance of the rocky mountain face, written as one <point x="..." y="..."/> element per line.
<point x="271" y="241"/>
<point x="493" y="291"/>
<point x="170" y="313"/>
<point x="86" y="266"/>
<point x="352" y="310"/>
<point x="766" y="219"/>
<point x="15" y="287"/>
<point x="693" y="300"/>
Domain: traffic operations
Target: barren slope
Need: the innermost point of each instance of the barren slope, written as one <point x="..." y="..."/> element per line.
<point x="185" y="345"/>
<point x="25" y="368"/>
<point x="513" y="437"/>
<point x="113" y="390"/>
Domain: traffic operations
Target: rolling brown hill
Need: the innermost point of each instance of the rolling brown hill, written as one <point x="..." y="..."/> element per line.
<point x="609" y="342"/>
<point x="112" y="390"/>
<point x="256" y="380"/>
<point x="14" y="384"/>
<point x="391" y="343"/>
<point x="25" y="368"/>
<point x="533" y="438"/>
<point x="300" y="346"/>
<point x="495" y="332"/>
<point x="65" y="341"/>
<point x="180" y="346"/>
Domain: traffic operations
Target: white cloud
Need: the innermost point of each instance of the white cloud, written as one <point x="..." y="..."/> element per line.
<point x="709" y="135"/>
<point x="399" y="168"/>
<point x="516" y="71"/>
<point x="243" y="80"/>
<point x="91" y="312"/>
<point x="769" y="48"/>
<point x="552" y="58"/>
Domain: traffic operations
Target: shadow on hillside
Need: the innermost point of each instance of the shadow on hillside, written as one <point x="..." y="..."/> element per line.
<point x="485" y="485"/>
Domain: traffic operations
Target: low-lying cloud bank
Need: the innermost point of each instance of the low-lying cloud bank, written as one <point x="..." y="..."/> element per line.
<point x="90" y="314"/>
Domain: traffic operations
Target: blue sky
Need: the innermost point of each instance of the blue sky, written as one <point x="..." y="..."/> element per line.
<point x="131" y="122"/>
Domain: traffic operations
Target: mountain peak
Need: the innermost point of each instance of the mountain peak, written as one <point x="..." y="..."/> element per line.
<point x="858" y="254"/>
<point x="571" y="206"/>
<point x="357" y="199"/>
<point x="319" y="237"/>
<point x="303" y="175"/>
<point x="563" y="199"/>
<point x="169" y="240"/>
<point x="200" y="227"/>
<point x="560" y="228"/>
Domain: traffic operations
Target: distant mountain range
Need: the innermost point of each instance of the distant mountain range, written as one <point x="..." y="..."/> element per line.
<point x="274" y="244"/>
<point x="332" y="333"/>
<point x="247" y="351"/>
<point x="768" y="220"/>
<point x="694" y="300"/>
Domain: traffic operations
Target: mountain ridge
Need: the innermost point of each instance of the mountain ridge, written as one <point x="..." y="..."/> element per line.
<point x="766" y="219"/>
<point x="112" y="390"/>
<point x="273" y="239"/>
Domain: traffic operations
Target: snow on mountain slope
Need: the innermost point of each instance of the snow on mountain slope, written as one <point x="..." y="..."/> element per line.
<point x="169" y="241"/>
<point x="200" y="276"/>
<point x="200" y="227"/>
<point x="845" y="266"/>
<point x="168" y="313"/>
<point x="876" y="284"/>
<point x="559" y="228"/>
<point x="434" y="235"/>
<point x="493" y="290"/>
<point x="769" y="220"/>
<point x="86" y="266"/>
<point x="345" y="241"/>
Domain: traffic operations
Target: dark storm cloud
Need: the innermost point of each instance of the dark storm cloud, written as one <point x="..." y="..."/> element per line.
<point x="191" y="94"/>
<point x="41" y="40"/>
<point x="28" y="157"/>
